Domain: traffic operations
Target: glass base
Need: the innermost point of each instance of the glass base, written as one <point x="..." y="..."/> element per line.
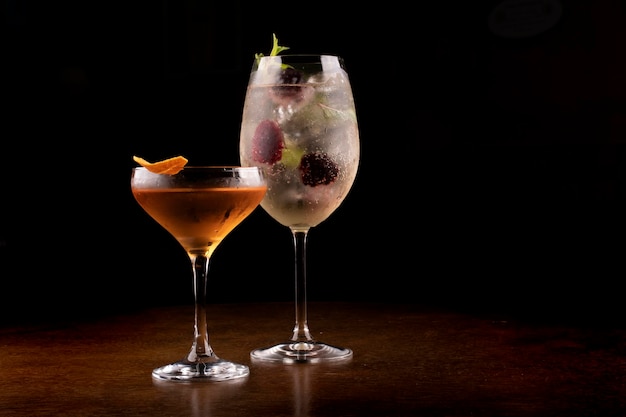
<point x="220" y="370"/>
<point x="301" y="352"/>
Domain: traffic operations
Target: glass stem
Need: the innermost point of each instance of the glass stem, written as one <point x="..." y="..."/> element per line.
<point x="301" y="329"/>
<point x="201" y="350"/>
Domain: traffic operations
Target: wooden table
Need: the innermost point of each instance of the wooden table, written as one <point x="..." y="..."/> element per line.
<point x="408" y="361"/>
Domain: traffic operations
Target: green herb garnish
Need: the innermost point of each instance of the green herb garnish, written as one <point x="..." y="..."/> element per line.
<point x="276" y="49"/>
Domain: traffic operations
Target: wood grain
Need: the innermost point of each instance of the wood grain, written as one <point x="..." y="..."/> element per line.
<point x="408" y="361"/>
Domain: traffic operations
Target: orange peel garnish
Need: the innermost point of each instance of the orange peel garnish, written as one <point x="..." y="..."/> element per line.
<point x="168" y="166"/>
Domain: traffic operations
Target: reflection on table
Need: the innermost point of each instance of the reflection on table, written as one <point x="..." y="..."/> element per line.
<point x="408" y="361"/>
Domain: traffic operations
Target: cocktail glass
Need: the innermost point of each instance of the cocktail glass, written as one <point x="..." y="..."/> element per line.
<point x="199" y="207"/>
<point x="299" y="124"/>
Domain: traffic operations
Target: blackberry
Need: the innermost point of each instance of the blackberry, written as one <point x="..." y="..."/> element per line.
<point x="289" y="77"/>
<point x="317" y="169"/>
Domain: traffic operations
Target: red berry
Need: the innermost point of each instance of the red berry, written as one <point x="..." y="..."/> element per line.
<point x="267" y="142"/>
<point x="317" y="169"/>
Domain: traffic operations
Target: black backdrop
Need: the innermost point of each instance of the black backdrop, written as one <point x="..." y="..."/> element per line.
<point x="492" y="178"/>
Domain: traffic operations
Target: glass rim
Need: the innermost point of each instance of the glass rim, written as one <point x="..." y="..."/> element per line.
<point x="191" y="176"/>
<point x="298" y="55"/>
<point x="301" y="58"/>
<point x="209" y="167"/>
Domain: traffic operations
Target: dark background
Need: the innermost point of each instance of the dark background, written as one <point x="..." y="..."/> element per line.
<point x="492" y="178"/>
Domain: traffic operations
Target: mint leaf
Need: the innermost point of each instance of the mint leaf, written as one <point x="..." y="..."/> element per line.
<point x="276" y="49"/>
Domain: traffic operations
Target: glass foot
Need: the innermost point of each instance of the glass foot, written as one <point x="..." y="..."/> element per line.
<point x="298" y="352"/>
<point x="183" y="370"/>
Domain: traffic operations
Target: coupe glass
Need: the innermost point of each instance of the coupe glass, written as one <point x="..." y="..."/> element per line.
<point x="299" y="124"/>
<point x="199" y="207"/>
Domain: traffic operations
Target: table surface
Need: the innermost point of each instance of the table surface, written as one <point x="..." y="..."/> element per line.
<point x="408" y="361"/>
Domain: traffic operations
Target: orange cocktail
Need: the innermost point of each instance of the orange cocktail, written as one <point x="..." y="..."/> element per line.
<point x="199" y="218"/>
<point x="199" y="207"/>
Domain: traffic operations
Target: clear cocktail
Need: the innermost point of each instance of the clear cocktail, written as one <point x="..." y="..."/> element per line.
<point x="299" y="125"/>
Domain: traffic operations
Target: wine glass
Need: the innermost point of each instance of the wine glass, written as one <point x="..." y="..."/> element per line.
<point x="299" y="124"/>
<point x="199" y="207"/>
